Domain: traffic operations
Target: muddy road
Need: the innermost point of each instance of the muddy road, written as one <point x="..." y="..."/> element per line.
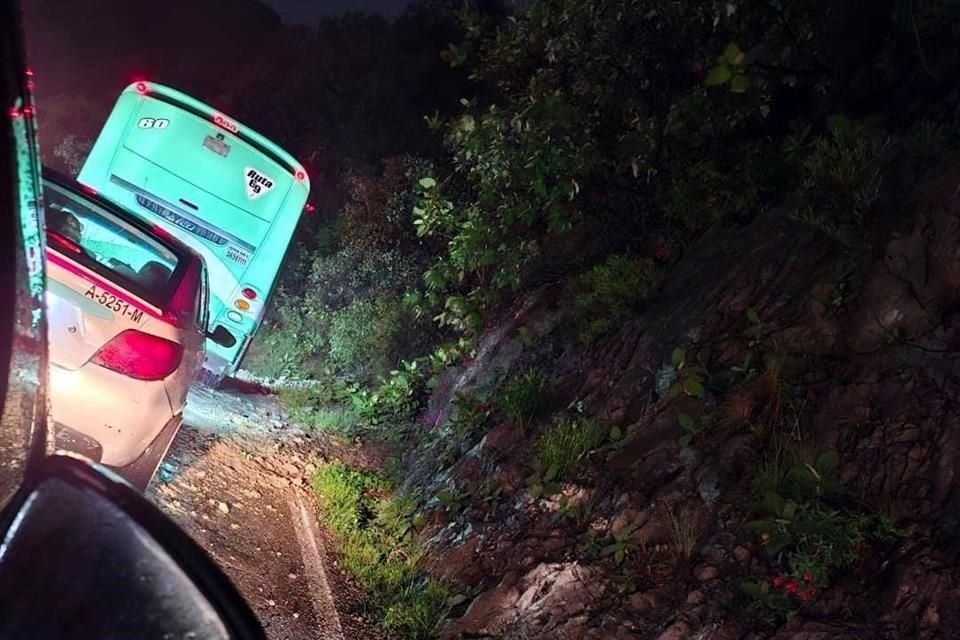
<point x="237" y="480"/>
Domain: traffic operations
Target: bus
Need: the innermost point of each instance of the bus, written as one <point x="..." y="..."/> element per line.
<point x="226" y="191"/>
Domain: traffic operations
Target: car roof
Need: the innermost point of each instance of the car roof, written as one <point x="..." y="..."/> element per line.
<point x="184" y="252"/>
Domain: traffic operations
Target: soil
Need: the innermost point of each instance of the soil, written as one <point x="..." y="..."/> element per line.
<point x="237" y="480"/>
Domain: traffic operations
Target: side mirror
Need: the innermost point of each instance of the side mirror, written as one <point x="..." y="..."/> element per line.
<point x="222" y="336"/>
<point x="86" y="556"/>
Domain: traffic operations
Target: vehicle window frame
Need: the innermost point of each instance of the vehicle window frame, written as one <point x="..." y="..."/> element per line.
<point x="25" y="437"/>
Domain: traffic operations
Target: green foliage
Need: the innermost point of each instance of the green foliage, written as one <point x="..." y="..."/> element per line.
<point x="693" y="427"/>
<point x="610" y="293"/>
<point x="376" y="537"/>
<point x="620" y="544"/>
<point x="523" y="398"/>
<point x="563" y="447"/>
<point x="395" y="402"/>
<point x="307" y="409"/>
<point x="469" y="415"/>
<point x="807" y="528"/>
<point x="363" y="336"/>
<point x="844" y="171"/>
<point x="690" y="377"/>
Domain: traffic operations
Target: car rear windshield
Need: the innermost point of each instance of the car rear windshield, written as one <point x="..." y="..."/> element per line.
<point x="81" y="230"/>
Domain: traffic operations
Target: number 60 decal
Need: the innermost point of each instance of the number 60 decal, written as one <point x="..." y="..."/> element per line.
<point x="153" y="123"/>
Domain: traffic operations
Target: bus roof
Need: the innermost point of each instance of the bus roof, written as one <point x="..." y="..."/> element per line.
<point x="182" y="100"/>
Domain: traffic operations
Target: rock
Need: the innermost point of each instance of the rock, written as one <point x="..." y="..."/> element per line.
<point x="742" y="554"/>
<point x="706" y="572"/>
<point x="696" y="597"/>
<point x="677" y="631"/>
<point x="629" y="517"/>
<point x="223" y="507"/>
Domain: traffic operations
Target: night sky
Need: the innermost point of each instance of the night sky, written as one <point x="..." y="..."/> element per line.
<point x="308" y="11"/>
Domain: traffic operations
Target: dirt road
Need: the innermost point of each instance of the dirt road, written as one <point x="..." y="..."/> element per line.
<point x="236" y="479"/>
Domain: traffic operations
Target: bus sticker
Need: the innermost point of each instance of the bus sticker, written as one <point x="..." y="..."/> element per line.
<point x="183" y="222"/>
<point x="257" y="183"/>
<point x="238" y="255"/>
<point x="153" y="123"/>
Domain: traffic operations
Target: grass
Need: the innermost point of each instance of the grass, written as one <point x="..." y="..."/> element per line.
<point x="562" y="448"/>
<point x="315" y="409"/>
<point x="683" y="531"/>
<point x="523" y="398"/>
<point x="376" y="533"/>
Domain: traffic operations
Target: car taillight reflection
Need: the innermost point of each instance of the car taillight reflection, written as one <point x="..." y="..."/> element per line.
<point x="140" y="355"/>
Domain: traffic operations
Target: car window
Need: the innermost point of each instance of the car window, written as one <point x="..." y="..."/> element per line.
<point x="82" y="231"/>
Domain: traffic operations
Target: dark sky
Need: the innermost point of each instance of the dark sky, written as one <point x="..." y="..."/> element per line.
<point x="308" y="11"/>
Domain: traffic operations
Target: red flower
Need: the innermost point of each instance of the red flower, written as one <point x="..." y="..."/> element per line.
<point x="808" y="576"/>
<point x="778" y="581"/>
<point x="792" y="587"/>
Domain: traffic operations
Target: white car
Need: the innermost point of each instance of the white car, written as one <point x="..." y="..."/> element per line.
<point x="127" y="321"/>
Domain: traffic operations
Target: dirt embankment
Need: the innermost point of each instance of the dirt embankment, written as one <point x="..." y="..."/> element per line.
<point x="856" y="353"/>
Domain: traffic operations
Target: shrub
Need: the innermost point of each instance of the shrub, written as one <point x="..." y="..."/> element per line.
<point x="363" y="337"/>
<point x="523" y="398"/>
<point x="611" y="292"/>
<point x="843" y="174"/>
<point x="379" y="215"/>
<point x="395" y="403"/>
<point x="346" y="312"/>
<point x="376" y="541"/>
<point x="810" y="531"/>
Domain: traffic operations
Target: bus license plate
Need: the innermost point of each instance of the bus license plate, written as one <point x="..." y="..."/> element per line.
<point x="217" y="146"/>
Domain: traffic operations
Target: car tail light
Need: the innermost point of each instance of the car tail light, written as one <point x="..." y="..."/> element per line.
<point x="140" y="355"/>
<point x="249" y="293"/>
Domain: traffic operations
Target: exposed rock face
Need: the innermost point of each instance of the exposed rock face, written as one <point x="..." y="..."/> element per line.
<point x="880" y="385"/>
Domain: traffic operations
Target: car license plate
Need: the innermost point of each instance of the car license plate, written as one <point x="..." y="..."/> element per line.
<point x="115" y="304"/>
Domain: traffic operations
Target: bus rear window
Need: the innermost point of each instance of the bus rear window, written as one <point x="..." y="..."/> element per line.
<point x="99" y="240"/>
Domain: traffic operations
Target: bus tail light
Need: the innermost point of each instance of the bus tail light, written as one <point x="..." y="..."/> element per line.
<point x="249" y="293"/>
<point x="142" y="88"/>
<point x="301" y="175"/>
<point x="140" y="355"/>
<point x="221" y="121"/>
<point x="242" y="304"/>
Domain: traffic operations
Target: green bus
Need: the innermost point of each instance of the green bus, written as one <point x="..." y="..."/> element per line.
<point x="223" y="189"/>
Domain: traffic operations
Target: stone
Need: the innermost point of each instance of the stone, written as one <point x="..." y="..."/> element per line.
<point x="706" y="573"/>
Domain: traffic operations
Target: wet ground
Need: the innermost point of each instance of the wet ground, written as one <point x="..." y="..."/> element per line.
<point x="236" y="479"/>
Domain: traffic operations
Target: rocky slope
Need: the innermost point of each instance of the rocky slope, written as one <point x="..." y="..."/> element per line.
<point x="854" y="357"/>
